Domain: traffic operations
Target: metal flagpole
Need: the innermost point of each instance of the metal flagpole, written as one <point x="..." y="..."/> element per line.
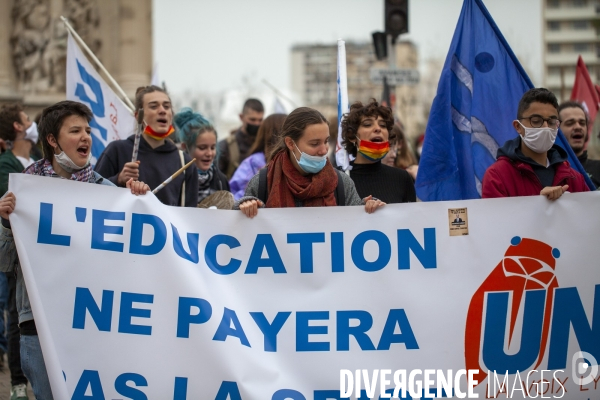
<point x="278" y="92"/>
<point x="90" y="53"/>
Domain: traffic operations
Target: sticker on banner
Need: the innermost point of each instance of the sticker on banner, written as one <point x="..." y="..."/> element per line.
<point x="458" y="222"/>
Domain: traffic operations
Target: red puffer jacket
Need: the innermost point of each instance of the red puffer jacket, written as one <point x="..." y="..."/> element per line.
<point x="510" y="178"/>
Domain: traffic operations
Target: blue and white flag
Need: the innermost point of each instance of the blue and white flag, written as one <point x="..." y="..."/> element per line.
<point x="155" y="76"/>
<point x="112" y="119"/>
<point x="477" y="98"/>
<point x="341" y="155"/>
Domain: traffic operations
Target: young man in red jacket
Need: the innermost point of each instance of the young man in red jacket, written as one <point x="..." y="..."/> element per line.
<point x="531" y="164"/>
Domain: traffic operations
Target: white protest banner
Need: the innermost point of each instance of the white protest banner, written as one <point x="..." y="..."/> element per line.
<point x="137" y="300"/>
<point x="112" y="120"/>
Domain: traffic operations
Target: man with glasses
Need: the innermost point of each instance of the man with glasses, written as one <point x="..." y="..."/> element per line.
<point x="574" y="124"/>
<point x="531" y="164"/>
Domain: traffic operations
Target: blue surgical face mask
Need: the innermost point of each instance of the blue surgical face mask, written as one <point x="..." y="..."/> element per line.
<point x="310" y="164"/>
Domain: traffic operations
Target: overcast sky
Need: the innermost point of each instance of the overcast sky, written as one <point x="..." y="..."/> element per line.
<point x="213" y="45"/>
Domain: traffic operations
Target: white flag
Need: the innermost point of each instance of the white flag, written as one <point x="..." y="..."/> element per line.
<point x="341" y="156"/>
<point x="112" y="119"/>
<point x="155" y="76"/>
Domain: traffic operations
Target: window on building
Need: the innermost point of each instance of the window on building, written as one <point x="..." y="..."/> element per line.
<point x="579" y="3"/>
<point x="581" y="47"/>
<point x="595" y="71"/>
<point x="553" y="25"/>
<point x="553" y="4"/>
<point x="553" y="71"/>
<point x="554" y="48"/>
<point x="579" y="25"/>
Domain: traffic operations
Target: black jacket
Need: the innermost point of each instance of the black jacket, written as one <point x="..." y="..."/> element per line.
<point x="592" y="167"/>
<point x="244" y="143"/>
<point x="388" y="184"/>
<point x="156" y="165"/>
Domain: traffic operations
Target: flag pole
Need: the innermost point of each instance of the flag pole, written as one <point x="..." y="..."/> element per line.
<point x="278" y="92"/>
<point x="91" y="54"/>
<point x="175" y="175"/>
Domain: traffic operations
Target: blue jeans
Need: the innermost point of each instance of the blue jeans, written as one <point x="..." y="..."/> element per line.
<point x="3" y="306"/>
<point x="32" y="362"/>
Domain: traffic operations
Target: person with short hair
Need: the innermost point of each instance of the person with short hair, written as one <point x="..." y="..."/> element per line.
<point x="268" y="133"/>
<point x="532" y="164"/>
<point x="575" y="124"/>
<point x="158" y="156"/>
<point x="20" y="133"/>
<point x="235" y="148"/>
<point x="366" y="132"/>
<point x="298" y="173"/>
<point x="199" y="139"/>
<point x="67" y="144"/>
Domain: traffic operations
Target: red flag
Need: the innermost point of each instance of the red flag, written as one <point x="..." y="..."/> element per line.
<point x="584" y="90"/>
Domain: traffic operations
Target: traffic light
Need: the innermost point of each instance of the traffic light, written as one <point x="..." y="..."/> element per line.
<point x="396" y="17"/>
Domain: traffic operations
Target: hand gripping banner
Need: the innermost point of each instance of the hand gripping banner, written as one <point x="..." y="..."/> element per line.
<point x="133" y="299"/>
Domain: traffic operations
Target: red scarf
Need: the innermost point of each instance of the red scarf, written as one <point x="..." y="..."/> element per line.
<point x="285" y="184"/>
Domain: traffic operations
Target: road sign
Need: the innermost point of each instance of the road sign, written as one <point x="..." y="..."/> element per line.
<point x="395" y="77"/>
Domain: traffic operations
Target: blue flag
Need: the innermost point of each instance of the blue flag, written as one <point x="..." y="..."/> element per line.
<point x="477" y="99"/>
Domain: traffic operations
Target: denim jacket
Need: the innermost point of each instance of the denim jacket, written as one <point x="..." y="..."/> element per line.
<point x="9" y="262"/>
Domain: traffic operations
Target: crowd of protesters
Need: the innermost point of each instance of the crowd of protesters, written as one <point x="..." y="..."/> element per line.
<point x="269" y="162"/>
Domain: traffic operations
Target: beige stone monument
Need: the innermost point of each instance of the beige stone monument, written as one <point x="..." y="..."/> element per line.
<point x="33" y="45"/>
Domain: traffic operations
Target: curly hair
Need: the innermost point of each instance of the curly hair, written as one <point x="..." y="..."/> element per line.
<point x="358" y="111"/>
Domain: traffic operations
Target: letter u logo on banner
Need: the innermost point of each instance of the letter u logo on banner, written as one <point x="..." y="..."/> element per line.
<point x="527" y="272"/>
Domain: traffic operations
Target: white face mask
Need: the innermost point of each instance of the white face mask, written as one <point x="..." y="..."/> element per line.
<point x="32" y="133"/>
<point x="68" y="165"/>
<point x="539" y="140"/>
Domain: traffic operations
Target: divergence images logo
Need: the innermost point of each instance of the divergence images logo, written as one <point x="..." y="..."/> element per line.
<point x="527" y="274"/>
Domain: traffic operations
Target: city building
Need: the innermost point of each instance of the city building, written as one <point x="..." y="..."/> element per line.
<point x="570" y="28"/>
<point x="33" y="45"/>
<point x="314" y="78"/>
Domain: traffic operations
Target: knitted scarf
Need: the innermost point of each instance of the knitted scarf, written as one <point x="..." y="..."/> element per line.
<point x="286" y="184"/>
<point x="204" y="181"/>
<point x="43" y="167"/>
